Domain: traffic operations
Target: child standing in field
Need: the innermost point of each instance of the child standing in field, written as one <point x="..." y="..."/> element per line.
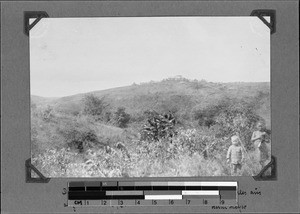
<point x="235" y="155"/>
<point x="258" y="139"/>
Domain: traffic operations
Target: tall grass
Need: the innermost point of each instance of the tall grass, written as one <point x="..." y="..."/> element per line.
<point x="68" y="145"/>
<point x="183" y="156"/>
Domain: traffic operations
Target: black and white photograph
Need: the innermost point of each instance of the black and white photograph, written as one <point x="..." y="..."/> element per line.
<point x="182" y="96"/>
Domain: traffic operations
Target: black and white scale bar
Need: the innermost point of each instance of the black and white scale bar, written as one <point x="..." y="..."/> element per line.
<point x="101" y="195"/>
<point x="145" y="195"/>
<point x="166" y="188"/>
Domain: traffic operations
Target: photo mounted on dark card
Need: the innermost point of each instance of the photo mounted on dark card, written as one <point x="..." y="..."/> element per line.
<point x="150" y="106"/>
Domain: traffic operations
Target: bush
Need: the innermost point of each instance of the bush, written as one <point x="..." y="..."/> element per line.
<point x="229" y="117"/>
<point x="47" y="114"/>
<point x="94" y="106"/>
<point x="158" y="126"/>
<point x="206" y="116"/>
<point x="237" y="119"/>
<point x="78" y="135"/>
<point x="121" y="117"/>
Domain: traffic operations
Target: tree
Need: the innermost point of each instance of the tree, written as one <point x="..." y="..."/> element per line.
<point x="94" y="106"/>
<point x="121" y="117"/>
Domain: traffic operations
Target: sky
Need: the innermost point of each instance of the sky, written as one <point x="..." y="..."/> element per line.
<point x="77" y="55"/>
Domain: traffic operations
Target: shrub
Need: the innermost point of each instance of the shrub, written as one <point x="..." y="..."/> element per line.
<point x="78" y="135"/>
<point x="121" y="117"/>
<point x="47" y="114"/>
<point x="94" y="106"/>
<point x="158" y="126"/>
<point x="107" y="116"/>
<point x="206" y="116"/>
<point x="237" y="119"/>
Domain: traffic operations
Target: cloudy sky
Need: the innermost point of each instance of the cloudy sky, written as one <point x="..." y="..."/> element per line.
<point x="77" y="55"/>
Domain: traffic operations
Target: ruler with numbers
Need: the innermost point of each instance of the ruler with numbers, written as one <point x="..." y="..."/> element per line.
<point x="114" y="193"/>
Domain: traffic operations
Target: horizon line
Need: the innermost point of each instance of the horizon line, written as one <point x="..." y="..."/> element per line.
<point x="144" y="83"/>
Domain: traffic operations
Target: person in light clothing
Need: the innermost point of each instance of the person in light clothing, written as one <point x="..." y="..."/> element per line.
<point x="235" y="155"/>
<point x="259" y="141"/>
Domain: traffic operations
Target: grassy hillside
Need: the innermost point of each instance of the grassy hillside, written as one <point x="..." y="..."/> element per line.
<point x="116" y="133"/>
<point x="42" y="101"/>
<point x="177" y="95"/>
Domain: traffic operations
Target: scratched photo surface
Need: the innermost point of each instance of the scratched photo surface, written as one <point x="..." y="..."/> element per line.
<point x="150" y="96"/>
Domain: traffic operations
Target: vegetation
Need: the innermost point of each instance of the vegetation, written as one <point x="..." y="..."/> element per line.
<point x="158" y="126"/>
<point x="121" y="117"/>
<point x="94" y="106"/>
<point x="176" y="127"/>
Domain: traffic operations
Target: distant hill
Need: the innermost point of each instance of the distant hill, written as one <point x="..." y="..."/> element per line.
<point x="175" y="94"/>
<point x="38" y="100"/>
